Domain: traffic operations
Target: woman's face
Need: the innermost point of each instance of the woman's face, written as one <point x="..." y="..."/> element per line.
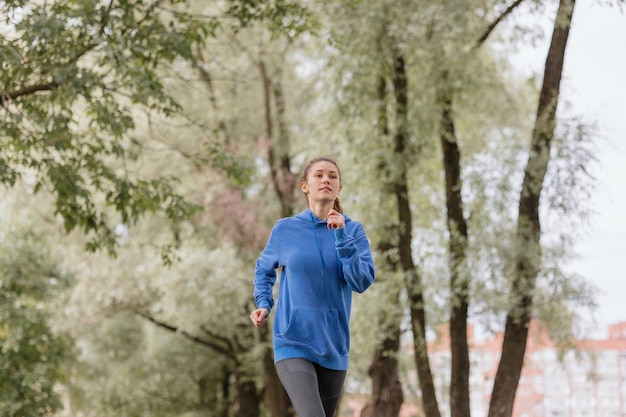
<point x="322" y="182"/>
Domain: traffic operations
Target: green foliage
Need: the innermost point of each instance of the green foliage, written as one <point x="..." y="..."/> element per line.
<point x="282" y="16"/>
<point x="493" y="113"/>
<point x="127" y="367"/>
<point x="30" y="353"/>
<point x="74" y="75"/>
<point x="127" y="364"/>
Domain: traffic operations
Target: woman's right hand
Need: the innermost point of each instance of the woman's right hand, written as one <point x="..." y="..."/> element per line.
<point x="259" y="316"/>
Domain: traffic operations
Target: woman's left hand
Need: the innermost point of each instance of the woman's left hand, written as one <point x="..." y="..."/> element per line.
<point x="259" y="316"/>
<point x="335" y="220"/>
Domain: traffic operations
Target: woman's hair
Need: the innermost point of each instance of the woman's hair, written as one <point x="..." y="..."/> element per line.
<point x="305" y="173"/>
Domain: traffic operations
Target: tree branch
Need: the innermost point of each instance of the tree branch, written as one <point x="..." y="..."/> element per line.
<point x="5" y="96"/>
<point x="206" y="343"/>
<point x="207" y="79"/>
<point x="10" y="95"/>
<point x="225" y="340"/>
<point x="496" y="22"/>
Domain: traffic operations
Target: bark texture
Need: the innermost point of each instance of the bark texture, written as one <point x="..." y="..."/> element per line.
<point x="528" y="257"/>
<point x="387" y="395"/>
<point x="457" y="252"/>
<point x="405" y="233"/>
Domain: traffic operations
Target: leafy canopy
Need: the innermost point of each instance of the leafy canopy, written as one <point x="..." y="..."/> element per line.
<point x="77" y="76"/>
<point x="30" y="353"/>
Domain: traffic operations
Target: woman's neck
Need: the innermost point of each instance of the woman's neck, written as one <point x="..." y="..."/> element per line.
<point x="321" y="209"/>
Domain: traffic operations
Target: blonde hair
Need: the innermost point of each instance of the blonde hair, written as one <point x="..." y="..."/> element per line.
<point x="305" y="173"/>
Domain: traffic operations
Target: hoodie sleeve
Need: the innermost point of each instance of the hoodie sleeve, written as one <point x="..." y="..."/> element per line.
<point x="265" y="273"/>
<point x="355" y="256"/>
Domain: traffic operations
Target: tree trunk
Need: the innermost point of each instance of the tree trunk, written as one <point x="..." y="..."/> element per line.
<point x="247" y="401"/>
<point x="420" y="352"/>
<point x="283" y="180"/>
<point x="457" y="246"/>
<point x="276" y="398"/>
<point x="528" y="257"/>
<point x="405" y="233"/>
<point x="387" y="396"/>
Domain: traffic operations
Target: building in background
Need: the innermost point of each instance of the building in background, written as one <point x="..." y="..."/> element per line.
<point x="588" y="381"/>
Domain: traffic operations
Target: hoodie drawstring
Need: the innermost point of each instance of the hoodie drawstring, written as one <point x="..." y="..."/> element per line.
<point x="319" y="248"/>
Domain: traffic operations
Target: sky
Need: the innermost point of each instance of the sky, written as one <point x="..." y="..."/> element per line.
<point x="595" y="83"/>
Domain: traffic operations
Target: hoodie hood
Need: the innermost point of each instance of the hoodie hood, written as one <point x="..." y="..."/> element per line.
<point x="309" y="217"/>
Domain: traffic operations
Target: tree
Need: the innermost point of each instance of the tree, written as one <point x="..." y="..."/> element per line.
<point x="78" y="79"/>
<point x="75" y="77"/>
<point x="528" y="249"/>
<point x="32" y="355"/>
<point x="456" y="38"/>
<point x="111" y="93"/>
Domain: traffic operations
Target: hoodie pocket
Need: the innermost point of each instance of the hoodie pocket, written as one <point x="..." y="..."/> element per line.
<point x="318" y="330"/>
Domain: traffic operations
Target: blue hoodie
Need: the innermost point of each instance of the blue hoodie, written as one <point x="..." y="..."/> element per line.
<point x="320" y="270"/>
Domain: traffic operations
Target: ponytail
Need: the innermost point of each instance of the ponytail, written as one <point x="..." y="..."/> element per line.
<point x="337" y="205"/>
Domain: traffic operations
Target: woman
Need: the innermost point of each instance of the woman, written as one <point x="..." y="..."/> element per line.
<point x="324" y="257"/>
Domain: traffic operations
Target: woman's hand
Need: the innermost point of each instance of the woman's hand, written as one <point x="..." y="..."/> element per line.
<point x="259" y="316"/>
<point x="335" y="220"/>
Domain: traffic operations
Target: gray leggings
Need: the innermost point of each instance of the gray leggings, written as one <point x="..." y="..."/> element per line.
<point x="313" y="390"/>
